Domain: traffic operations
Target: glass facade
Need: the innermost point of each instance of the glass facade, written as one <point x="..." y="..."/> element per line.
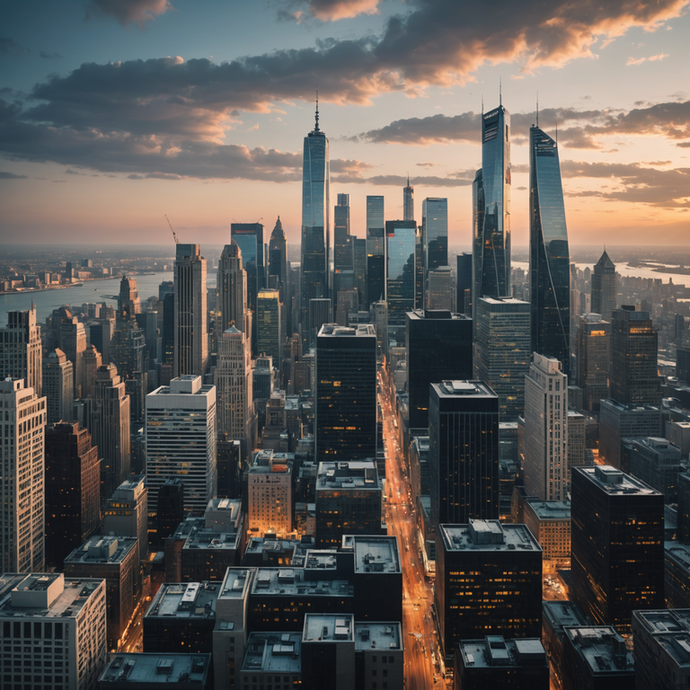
<point x="491" y="196"/>
<point x="376" y="269"/>
<point x="549" y="256"/>
<point x="435" y="233"/>
<point x="250" y="240"/>
<point x="400" y="269"/>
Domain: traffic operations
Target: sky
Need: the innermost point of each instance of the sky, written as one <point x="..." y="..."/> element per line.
<point x="115" y="113"/>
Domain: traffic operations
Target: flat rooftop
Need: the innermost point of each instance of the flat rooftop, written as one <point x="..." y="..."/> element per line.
<point x="356" y="474"/>
<point x="320" y="627"/>
<point x="157" y="668"/>
<point x="381" y="636"/>
<point x="456" y="389"/>
<point x="678" y="552"/>
<point x="332" y="330"/>
<point x="273" y="652"/>
<point x="614" y="482"/>
<point x="602" y="648"/>
<point x="488" y="535"/>
<point x="185" y="600"/>
<point x="436" y="315"/>
<point x="290" y="582"/>
<point x="374" y="554"/>
<point x="550" y="510"/>
<point x="494" y="650"/>
<point x="100" y="549"/>
<point x="235" y="583"/>
<point x="197" y="536"/>
<point x="560" y="614"/>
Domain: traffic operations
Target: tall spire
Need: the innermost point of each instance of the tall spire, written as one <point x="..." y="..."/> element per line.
<point x="408" y="179"/>
<point x="500" y="91"/>
<point x="316" y="127"/>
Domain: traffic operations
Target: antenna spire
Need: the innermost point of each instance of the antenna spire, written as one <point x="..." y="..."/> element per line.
<point x="316" y="127"/>
<point x="500" y="91"/>
<point x="408" y="179"/>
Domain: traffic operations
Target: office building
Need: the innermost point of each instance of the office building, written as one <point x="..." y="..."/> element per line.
<point x="617" y="545"/>
<point x="558" y="616"/>
<point x="156" y="671"/>
<point x="319" y="314"/>
<point x="72" y="490"/>
<point x="345" y="406"/>
<point x="269" y="324"/>
<point x="677" y="574"/>
<point x="678" y="433"/>
<point x="577" y="439"/>
<point x="61" y="624"/>
<point x="169" y="508"/>
<point x="504" y="562"/>
<point x="493" y="662"/>
<point x="503" y="352"/>
<point x="116" y="560"/>
<point x="658" y="463"/>
<point x="408" y="201"/>
<point x="328" y="652"/>
<point x="348" y="501"/>
<point x="549" y="258"/>
<point x="546" y="430"/>
<point x="185" y="409"/>
<point x="20" y="348"/>
<point x="359" y="246"/>
<point x="269" y="494"/>
<point x="440" y="290"/>
<point x="463" y="452"/>
<point x="463" y="283"/>
<point x="376" y="250"/>
<point x="491" y="204"/>
<point x="439" y="348"/>
<point x="604" y="298"/>
<point x="400" y="269"/>
<point x="315" y="219"/>
<point x="231" y="285"/>
<point x="343" y="253"/>
<point x="107" y="415"/>
<point x="72" y="341"/>
<point x="22" y="490"/>
<point x="434" y="234"/>
<point x="58" y="385"/>
<point x="593" y="357"/>
<point x="278" y="264"/>
<point x="190" y="312"/>
<point x="91" y="360"/>
<point x="269" y="656"/>
<point x="371" y="666"/>
<point x="634" y="375"/>
<point x="549" y="522"/>
<point x="126" y="512"/>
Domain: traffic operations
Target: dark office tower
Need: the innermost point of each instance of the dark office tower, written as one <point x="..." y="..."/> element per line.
<point x="463" y="451"/>
<point x="408" y="201"/>
<point x="463" y="284"/>
<point x="58" y="387"/>
<point x="279" y="271"/>
<point x="549" y="259"/>
<point x="488" y="582"/>
<point x="419" y="270"/>
<point x="439" y="348"/>
<point x="593" y="355"/>
<point x="319" y="314"/>
<point x="128" y="302"/>
<point x="345" y="424"/>
<point x="360" y="268"/>
<point x="170" y="508"/>
<point x="400" y="269"/>
<point x="617" y="535"/>
<point x="315" y="219"/>
<point x="73" y="490"/>
<point x="168" y="328"/>
<point x="491" y="197"/>
<point x="269" y="325"/>
<point x="683" y="364"/>
<point x="376" y="250"/>
<point x="167" y="287"/>
<point x="634" y="378"/>
<point x="191" y="313"/>
<point x="20" y="349"/>
<point x="434" y="233"/>
<point x="341" y="234"/>
<point x="503" y="351"/>
<point x="232" y="290"/>
<point x="604" y="287"/>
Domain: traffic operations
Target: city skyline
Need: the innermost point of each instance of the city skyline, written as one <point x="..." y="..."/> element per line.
<point x="119" y="115"/>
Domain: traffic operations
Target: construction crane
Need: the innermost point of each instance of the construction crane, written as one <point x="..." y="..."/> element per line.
<point x="171" y="230"/>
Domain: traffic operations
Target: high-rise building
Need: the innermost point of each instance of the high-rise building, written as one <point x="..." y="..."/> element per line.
<point x="617" y="545"/>
<point x="126" y="512"/>
<point x="408" y="201"/>
<point x="546" y="430"/>
<point x="463" y="452"/>
<point x="360" y="268"/>
<point x="128" y="302"/>
<point x="91" y="360"/>
<point x="72" y="341"/>
<point x="269" y="494"/>
<point x="400" y="269"/>
<point x="315" y="218"/>
<point x="269" y="324"/>
<point x="503" y="351"/>
<point x="73" y="490"/>
<point x="107" y="415"/>
<point x="604" y="299"/>
<point x="434" y="233"/>
<point x="22" y="489"/>
<point x="58" y="386"/>
<point x="379" y="317"/>
<point x="235" y="389"/>
<point x="190" y="316"/>
<point x="593" y="355"/>
<point x="319" y="314"/>
<point x="376" y="250"/>
<point x="184" y="410"/>
<point x="549" y="258"/>
<point x="439" y="348"/>
<point x="342" y="240"/>
<point x="463" y="284"/>
<point x="231" y="281"/>
<point x="250" y="239"/>
<point x="440" y="290"/>
<point x="279" y="271"/>
<point x="20" y="349"/>
<point x="345" y="421"/>
<point x="491" y="201"/>
<point x="634" y="376"/>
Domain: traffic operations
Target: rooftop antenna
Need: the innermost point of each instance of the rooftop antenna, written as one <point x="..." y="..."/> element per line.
<point x="316" y="128"/>
<point x="500" y="91"/>
<point x="408" y="179"/>
<point x="482" y="104"/>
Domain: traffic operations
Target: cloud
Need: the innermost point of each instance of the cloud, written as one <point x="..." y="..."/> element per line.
<point x="332" y="10"/>
<point x="9" y="46"/>
<point x="128" y="11"/>
<point x="48" y="56"/>
<point x="639" y="61"/>
<point x="11" y="176"/>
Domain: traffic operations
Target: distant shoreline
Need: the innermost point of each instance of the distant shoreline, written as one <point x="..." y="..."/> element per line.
<point x="81" y="283"/>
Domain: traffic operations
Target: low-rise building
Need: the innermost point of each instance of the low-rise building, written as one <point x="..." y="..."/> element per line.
<point x="269" y="487"/>
<point x="549" y="522"/>
<point x="156" y="672"/>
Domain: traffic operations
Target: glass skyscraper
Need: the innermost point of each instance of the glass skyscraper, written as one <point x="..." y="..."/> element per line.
<point x="400" y="273"/>
<point x="549" y="260"/>
<point x="315" y="216"/>
<point x="435" y="233"/>
<point x="376" y="252"/>
<point x="491" y="197"/>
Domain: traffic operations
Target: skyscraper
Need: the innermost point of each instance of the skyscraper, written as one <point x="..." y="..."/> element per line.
<point x="269" y="325"/>
<point x="634" y="377"/>
<point x="128" y="302"/>
<point x="549" y="262"/>
<point x="376" y="250"/>
<point x="408" y="201"/>
<point x="491" y="197"/>
<point x="279" y="271"/>
<point x="191" y="313"/>
<point x="345" y="422"/>
<point x="440" y="289"/>
<point x="231" y="284"/>
<point x="342" y="241"/>
<point x="604" y="287"/>
<point x="58" y="385"/>
<point x="20" y="349"/>
<point x="546" y="429"/>
<point x="72" y="341"/>
<point x="463" y="284"/>
<point x="22" y="489"/>
<point x="593" y="348"/>
<point x="463" y="452"/>
<point x="400" y="269"/>
<point x="91" y="360"/>
<point x="315" y="218"/>
<point x="435" y="233"/>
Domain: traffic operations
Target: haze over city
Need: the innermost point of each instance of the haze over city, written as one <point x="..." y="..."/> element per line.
<point x="116" y="113"/>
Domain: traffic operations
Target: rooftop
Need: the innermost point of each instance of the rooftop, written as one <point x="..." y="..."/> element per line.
<point x="319" y="627"/>
<point x="99" y="549"/>
<point x="488" y="535"/>
<point x="494" y="650"/>
<point x="678" y="552"/>
<point x="436" y="314"/>
<point x="602" y="648"/>
<point x="291" y="581"/>
<point x="463" y="388"/>
<point x="273" y="652"/>
<point x="374" y="554"/>
<point x="185" y="600"/>
<point x="360" y="330"/>
<point x="356" y="474"/>
<point x="549" y="510"/>
<point x="560" y="614"/>
<point x="235" y="583"/>
<point x="382" y="636"/>
<point x="614" y="482"/>
<point x="157" y="668"/>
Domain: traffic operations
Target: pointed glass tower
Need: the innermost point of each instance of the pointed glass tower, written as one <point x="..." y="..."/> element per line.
<point x="604" y="287"/>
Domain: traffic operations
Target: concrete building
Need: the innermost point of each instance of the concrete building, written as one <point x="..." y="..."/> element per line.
<point x="269" y="324"/>
<point x="379" y="655"/>
<point x="678" y="433"/>
<point x="186" y="407"/>
<point x="91" y="361"/>
<point x="20" y="348"/>
<point x="328" y="652"/>
<point x="549" y="522"/>
<point x="270" y="656"/>
<point x="677" y="574"/>
<point x="658" y="463"/>
<point x="22" y="489"/>
<point x="72" y="341"/>
<point x="156" y="672"/>
<point x="126" y="513"/>
<point x="577" y="440"/>
<point x="269" y="497"/>
<point x="604" y="281"/>
<point x="231" y="286"/>
<point x="558" y="616"/>
<point x="593" y="353"/>
<point x="440" y="289"/>
<point x="58" y="385"/>
<point x="60" y="624"/>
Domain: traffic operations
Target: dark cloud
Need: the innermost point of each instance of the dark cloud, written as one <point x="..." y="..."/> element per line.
<point x="48" y="56"/>
<point x="328" y="10"/>
<point x="11" y="176"/>
<point x="9" y="46"/>
<point x="128" y="11"/>
<point x="684" y="144"/>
